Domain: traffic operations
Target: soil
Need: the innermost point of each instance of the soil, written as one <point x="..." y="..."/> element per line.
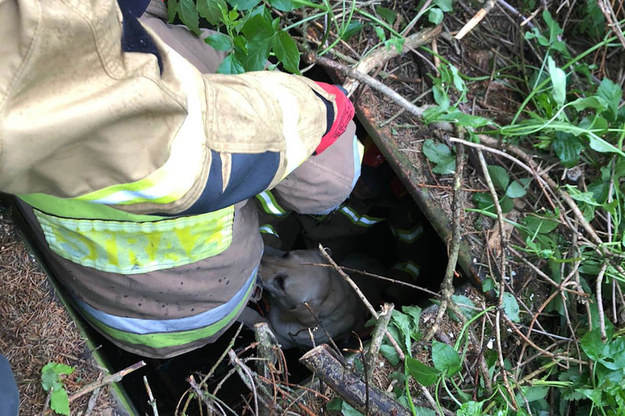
<point x="35" y="329"/>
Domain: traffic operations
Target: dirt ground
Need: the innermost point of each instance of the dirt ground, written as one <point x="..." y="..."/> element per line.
<point x="36" y="329"/>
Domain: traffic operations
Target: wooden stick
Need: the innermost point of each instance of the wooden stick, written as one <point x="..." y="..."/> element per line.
<point x="327" y="366"/>
<point x="113" y="378"/>
<point x="376" y="339"/>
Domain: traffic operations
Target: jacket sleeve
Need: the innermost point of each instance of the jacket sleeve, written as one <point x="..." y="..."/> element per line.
<point x="86" y="115"/>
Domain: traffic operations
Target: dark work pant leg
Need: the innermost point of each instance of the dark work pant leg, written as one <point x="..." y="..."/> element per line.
<point x="9" y="397"/>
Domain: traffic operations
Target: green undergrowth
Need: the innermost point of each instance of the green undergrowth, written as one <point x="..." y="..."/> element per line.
<point x="553" y="344"/>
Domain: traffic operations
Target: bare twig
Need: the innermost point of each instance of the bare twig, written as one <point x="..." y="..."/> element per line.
<point x="376" y="339"/>
<point x="362" y="298"/>
<point x="151" y="401"/>
<point x="113" y="378"/>
<point x="598" y="289"/>
<point x="475" y="20"/>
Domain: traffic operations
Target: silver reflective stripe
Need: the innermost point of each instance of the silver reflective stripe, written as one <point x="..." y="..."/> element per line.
<point x="268" y="229"/>
<point x="409" y="267"/>
<point x="270" y="205"/>
<point x="408" y="236"/>
<point x="150" y="326"/>
<point x="357" y="219"/>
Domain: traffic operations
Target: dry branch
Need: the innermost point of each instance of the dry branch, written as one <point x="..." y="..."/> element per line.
<point x="113" y="378"/>
<point x="350" y="386"/>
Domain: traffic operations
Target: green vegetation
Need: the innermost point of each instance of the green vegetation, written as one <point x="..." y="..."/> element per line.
<point x="562" y="175"/>
<point x="52" y="382"/>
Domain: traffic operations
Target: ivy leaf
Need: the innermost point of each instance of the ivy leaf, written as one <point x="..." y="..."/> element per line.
<point x="59" y="402"/>
<point x="230" y="65"/>
<point x="219" y="41"/>
<point x="243" y="4"/>
<point x="499" y="176"/>
<point x="286" y="50"/>
<point x="445" y="358"/>
<point x="435" y="15"/>
<point x="465" y="304"/>
<point x="189" y="15"/>
<point x="212" y="11"/>
<point x="511" y="307"/>
<point x="424" y="374"/>
<point x="558" y="80"/>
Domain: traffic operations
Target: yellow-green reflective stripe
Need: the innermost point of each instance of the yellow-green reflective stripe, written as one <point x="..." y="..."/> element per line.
<point x="75" y="208"/>
<point x="268" y="229"/>
<point x="186" y="156"/>
<point x="408" y="236"/>
<point x="361" y="220"/>
<point x="409" y="267"/>
<point x="129" y="247"/>
<point x="270" y="205"/>
<point x="170" y="339"/>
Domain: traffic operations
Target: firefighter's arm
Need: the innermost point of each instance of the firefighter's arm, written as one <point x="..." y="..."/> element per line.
<point x="85" y="116"/>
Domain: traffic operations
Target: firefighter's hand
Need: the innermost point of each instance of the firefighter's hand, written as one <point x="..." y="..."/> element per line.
<point x="343" y="113"/>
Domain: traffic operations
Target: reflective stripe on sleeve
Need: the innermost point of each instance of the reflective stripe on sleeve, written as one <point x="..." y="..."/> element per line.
<point x="268" y="229"/>
<point x="361" y="220"/>
<point x="408" y="236"/>
<point x="186" y="159"/>
<point x="270" y="206"/>
<point x="127" y="247"/>
<point x="409" y="267"/>
<point x="175" y="332"/>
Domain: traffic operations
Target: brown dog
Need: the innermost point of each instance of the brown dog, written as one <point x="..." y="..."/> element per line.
<point x="292" y="281"/>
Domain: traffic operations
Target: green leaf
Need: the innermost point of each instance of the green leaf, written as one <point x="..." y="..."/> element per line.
<point x="387" y="14"/>
<point x="440" y="96"/>
<point x="593" y="345"/>
<point x="594" y="102"/>
<point x="390" y="353"/>
<point x="435" y="15"/>
<point x="380" y="33"/>
<point x="445" y="358"/>
<point x="568" y="148"/>
<point x="616" y="354"/>
<point x="189" y="15"/>
<point x="219" y="41"/>
<point x="403" y="323"/>
<point x="59" y="402"/>
<point x="230" y="65"/>
<point x="466" y="120"/>
<point x="352" y="28"/>
<point x="465" y="304"/>
<point x="172" y="10"/>
<point x="335" y="404"/>
<point x="50" y="375"/>
<point x="511" y="307"/>
<point x="444" y="5"/>
<point x="612" y="94"/>
<point x="283" y="5"/>
<point x="259" y="32"/>
<point x="212" y="10"/>
<point x="534" y="393"/>
<point x="470" y="409"/>
<point x="286" y="50"/>
<point x="488" y="285"/>
<point x="499" y="176"/>
<point x="558" y="80"/>
<point x="414" y="312"/>
<point x="243" y="4"/>
<point x="348" y="410"/>
<point x="441" y="155"/>
<point x="516" y="190"/>
<point x="423" y="374"/>
<point x="423" y="411"/>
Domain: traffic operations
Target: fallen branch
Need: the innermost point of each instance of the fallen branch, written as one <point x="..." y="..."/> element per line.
<point x="380" y="57"/>
<point x="328" y="367"/>
<point x="113" y="378"/>
<point x="376" y="339"/>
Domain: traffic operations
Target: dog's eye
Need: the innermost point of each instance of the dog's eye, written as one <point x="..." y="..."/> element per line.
<point x="280" y="281"/>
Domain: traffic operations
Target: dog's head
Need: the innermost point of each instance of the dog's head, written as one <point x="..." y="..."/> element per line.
<point x="297" y="279"/>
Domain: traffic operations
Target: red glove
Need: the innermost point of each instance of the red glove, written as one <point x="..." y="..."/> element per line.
<point x="344" y="114"/>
